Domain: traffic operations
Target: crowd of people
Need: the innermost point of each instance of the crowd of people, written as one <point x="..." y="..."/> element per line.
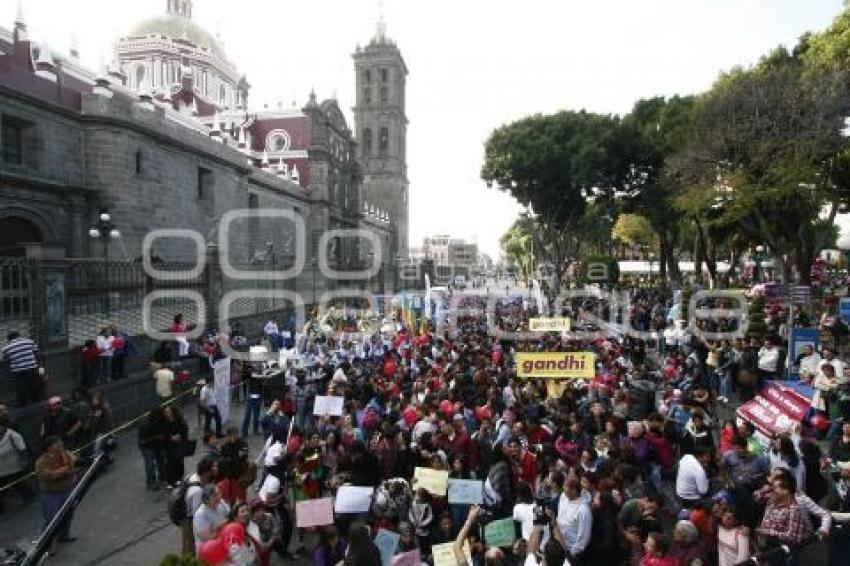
<point x="642" y="464"/>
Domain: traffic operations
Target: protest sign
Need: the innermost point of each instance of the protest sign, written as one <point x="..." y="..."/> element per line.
<point x="353" y="499"/>
<point x="314" y="512"/>
<point x="444" y="554"/>
<point x="328" y="405"/>
<point x="221" y="383"/>
<point x="412" y="558"/>
<point x="387" y="543"/>
<point x="540" y="324"/>
<point x="469" y="492"/>
<point x="434" y="482"/>
<point x="556" y="365"/>
<point x="500" y="533"/>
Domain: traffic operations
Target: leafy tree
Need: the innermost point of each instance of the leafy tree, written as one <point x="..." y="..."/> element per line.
<point x="658" y="128"/>
<point x="548" y="162"/>
<point x="634" y="230"/>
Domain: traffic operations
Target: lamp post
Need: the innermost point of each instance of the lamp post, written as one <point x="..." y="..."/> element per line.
<point x="372" y="277"/>
<point x="104" y="230"/>
<point x="757" y="267"/>
<point x="651" y="258"/>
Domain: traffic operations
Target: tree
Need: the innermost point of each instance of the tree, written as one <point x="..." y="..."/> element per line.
<point x="768" y="156"/>
<point x="548" y="163"/>
<point x="658" y="128"/>
<point x="518" y="244"/>
<point x="634" y="230"/>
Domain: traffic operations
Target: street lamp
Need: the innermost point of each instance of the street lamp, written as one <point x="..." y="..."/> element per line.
<point x="104" y="230"/>
<point x="757" y="260"/>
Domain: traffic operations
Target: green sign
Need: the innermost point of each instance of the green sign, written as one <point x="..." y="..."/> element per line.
<point x="500" y="533"/>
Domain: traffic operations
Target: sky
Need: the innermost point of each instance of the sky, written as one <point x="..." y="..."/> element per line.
<point x="474" y="65"/>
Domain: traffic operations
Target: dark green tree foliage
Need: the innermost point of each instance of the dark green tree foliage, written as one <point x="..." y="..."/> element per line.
<point x="545" y="162"/>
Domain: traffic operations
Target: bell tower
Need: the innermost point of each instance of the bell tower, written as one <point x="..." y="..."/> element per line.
<point x="380" y="127"/>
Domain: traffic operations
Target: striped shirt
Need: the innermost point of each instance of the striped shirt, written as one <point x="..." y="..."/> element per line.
<point x="20" y="353"/>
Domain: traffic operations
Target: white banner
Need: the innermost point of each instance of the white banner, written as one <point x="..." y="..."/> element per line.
<point x="221" y="371"/>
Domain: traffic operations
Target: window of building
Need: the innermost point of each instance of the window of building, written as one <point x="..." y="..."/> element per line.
<point x="367" y="76"/>
<point x="367" y="95"/>
<point x="367" y="141"/>
<point x="138" y="159"/>
<point x="384" y="141"/>
<point x="253" y="202"/>
<point x="12" y="140"/>
<point x="205" y="183"/>
<point x="384" y="94"/>
<point x="141" y="72"/>
<point x="385" y="75"/>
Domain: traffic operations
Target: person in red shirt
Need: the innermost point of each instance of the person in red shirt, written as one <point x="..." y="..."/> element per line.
<point x="656" y="547"/>
<point x="523" y="462"/>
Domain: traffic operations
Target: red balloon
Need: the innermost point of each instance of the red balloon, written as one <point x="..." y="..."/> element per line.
<point x="482" y="412"/>
<point x="447" y="408"/>
<point x="389" y="367"/>
<point x="232" y="533"/>
<point x="213" y="552"/>
<point x="820" y="422"/>
<point x="410" y="416"/>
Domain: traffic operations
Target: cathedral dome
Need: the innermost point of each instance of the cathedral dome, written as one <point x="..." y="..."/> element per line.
<point x="177" y="27"/>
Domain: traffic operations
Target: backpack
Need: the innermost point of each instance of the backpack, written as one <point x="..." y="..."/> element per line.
<point x="177" y="508"/>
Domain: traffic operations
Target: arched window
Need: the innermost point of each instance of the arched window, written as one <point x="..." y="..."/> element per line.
<point x="385" y="75"/>
<point x="367" y="76"/>
<point x="367" y="95"/>
<point x="385" y="94"/>
<point x="384" y="140"/>
<point x="367" y="141"/>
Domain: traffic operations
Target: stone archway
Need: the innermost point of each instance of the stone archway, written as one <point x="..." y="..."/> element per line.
<point x="15" y="231"/>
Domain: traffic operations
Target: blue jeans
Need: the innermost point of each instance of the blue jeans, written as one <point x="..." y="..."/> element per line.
<point x="104" y="366"/>
<point x="154" y="466"/>
<point x="51" y="502"/>
<point x="726" y="384"/>
<point x="253" y="406"/>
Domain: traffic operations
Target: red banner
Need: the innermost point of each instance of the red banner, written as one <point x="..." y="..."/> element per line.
<point x="775" y="409"/>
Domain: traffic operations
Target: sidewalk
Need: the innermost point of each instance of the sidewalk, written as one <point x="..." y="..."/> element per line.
<point x="118" y="522"/>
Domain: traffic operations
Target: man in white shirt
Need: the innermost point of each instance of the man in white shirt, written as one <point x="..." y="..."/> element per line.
<point x="208" y="405"/>
<point x="575" y="520"/>
<point x="205" y="473"/>
<point x="838" y="365"/>
<point x="210" y="517"/>
<point x="164" y="379"/>
<point x="768" y="359"/>
<point x="691" y="479"/>
<point x="809" y="362"/>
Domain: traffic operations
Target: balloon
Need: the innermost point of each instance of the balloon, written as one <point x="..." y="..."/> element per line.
<point x="819" y="422"/>
<point x="232" y="533"/>
<point x="389" y="367"/>
<point x="482" y="412"/>
<point x="447" y="408"/>
<point x="410" y="416"/>
<point x="213" y="552"/>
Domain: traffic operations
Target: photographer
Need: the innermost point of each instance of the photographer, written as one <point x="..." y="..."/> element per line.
<point x="493" y="556"/>
<point x="554" y="553"/>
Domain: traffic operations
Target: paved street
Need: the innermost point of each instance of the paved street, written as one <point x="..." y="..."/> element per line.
<point x="119" y="522"/>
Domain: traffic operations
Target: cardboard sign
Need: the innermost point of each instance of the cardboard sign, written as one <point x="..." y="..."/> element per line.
<point x="434" y="482"/>
<point x="412" y="558"/>
<point x="540" y="324"/>
<point x="387" y="543"/>
<point x="470" y="492"/>
<point x="353" y="499"/>
<point x="500" y="533"/>
<point x="444" y="554"/>
<point x="314" y="512"/>
<point x="556" y="365"/>
<point x="327" y="405"/>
